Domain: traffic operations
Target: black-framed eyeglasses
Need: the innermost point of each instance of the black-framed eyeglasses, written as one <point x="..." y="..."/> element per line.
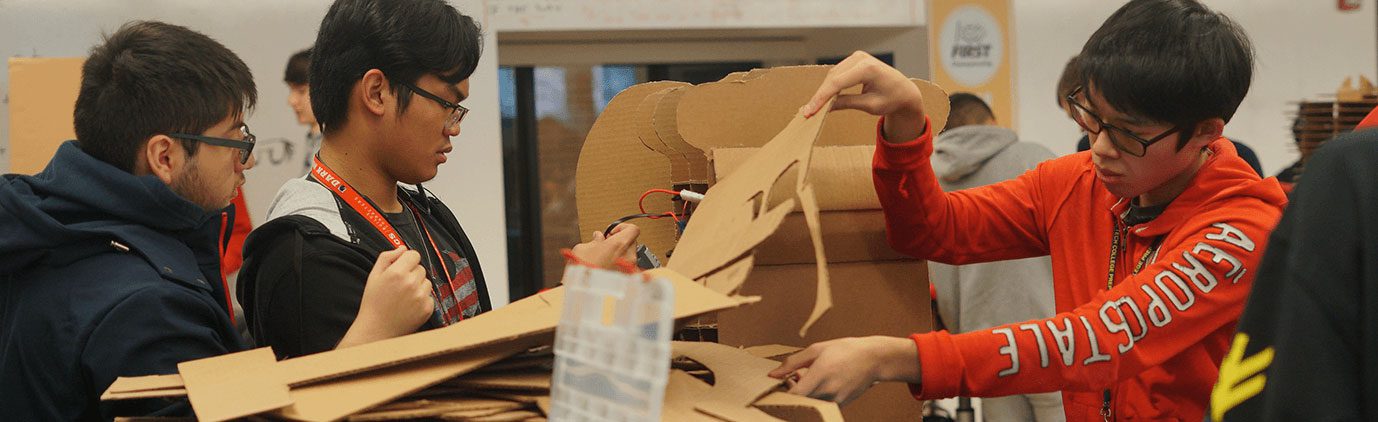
<point x="245" y="145"/>
<point x="457" y="111"/>
<point x="1119" y="137"/>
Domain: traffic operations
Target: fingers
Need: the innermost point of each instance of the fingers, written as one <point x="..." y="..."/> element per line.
<point x="846" y="74"/>
<point x="624" y="227"/>
<point x="407" y="261"/>
<point x="870" y="103"/>
<point x="386" y="259"/>
<point x="597" y="236"/>
<point x="796" y="361"/>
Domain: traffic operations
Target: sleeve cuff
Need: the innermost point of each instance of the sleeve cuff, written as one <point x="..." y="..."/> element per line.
<point x="905" y="155"/>
<point x="940" y="377"/>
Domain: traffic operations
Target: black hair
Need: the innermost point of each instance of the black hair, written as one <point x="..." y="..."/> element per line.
<point x="298" y="68"/>
<point x="405" y="39"/>
<point x="967" y="109"/>
<point x="151" y="78"/>
<point x="1173" y="61"/>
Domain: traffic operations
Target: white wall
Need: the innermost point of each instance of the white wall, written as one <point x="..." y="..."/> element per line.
<point x="1304" y="49"/>
<point x="264" y="33"/>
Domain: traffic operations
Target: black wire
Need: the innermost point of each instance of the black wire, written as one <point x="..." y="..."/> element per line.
<point x="608" y="232"/>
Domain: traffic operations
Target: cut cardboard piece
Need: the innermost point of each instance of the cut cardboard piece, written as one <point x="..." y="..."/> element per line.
<point x="615" y="168"/>
<point x="886" y="298"/>
<point x="338" y="383"/>
<point x="739" y="379"/>
<point x="512" y="382"/>
<point x="747" y="110"/>
<point x="150" y="386"/>
<point x="775" y="352"/>
<point x="681" y="393"/>
<point x="840" y="175"/>
<point x="431" y="409"/>
<point x="666" y="124"/>
<point x="646" y="132"/>
<point x="848" y="236"/>
<point x="795" y="408"/>
<point x="353" y="394"/>
<point x="733" y="217"/>
<point x="239" y="375"/>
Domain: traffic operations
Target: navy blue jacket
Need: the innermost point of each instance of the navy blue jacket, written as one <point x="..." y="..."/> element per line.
<point x="103" y="274"/>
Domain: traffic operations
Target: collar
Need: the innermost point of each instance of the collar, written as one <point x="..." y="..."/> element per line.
<point x="1223" y="174"/>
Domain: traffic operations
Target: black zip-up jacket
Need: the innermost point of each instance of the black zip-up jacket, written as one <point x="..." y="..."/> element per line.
<point x="1305" y="346"/>
<point x="305" y="269"/>
<point x="103" y="274"/>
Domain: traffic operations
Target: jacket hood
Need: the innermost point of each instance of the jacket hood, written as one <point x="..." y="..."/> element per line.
<point x="961" y="151"/>
<point x="80" y="198"/>
<point x="1224" y="176"/>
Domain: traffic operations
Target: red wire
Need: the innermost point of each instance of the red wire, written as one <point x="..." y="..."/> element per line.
<point x="640" y="203"/>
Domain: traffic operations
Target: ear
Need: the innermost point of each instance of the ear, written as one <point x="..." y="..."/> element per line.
<point x="162" y="156"/>
<point x="375" y="92"/>
<point x="1206" y="131"/>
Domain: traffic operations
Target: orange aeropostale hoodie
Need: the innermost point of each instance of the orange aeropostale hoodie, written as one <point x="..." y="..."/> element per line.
<point x="1154" y="341"/>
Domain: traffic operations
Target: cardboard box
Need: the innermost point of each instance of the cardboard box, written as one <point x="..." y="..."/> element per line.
<point x="791" y="210"/>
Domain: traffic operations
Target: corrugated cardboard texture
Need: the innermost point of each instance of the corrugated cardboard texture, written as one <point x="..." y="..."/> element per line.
<point x="335" y="384"/>
<point x="646" y="132"/>
<point x="341" y="397"/>
<point x="239" y="375"/>
<point x="43" y="95"/>
<point x="848" y="236"/>
<point x="888" y="298"/>
<point x="841" y="176"/>
<point x="667" y="127"/>
<point x="615" y="168"/>
<point x="733" y="217"/>
<point x="795" y="408"/>
<point x="747" y="110"/>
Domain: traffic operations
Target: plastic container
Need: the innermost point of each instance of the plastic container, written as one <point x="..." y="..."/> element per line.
<point x="612" y="346"/>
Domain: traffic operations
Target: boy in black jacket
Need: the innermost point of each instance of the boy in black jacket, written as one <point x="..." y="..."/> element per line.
<point x="348" y="256"/>
<point x="109" y="257"/>
<point x="1305" y="345"/>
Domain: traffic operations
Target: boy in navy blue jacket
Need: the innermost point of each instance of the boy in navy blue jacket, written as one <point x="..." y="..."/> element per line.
<point x="110" y="257"/>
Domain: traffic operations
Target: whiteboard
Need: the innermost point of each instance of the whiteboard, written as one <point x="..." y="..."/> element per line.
<point x="594" y="15"/>
<point x="264" y="33"/>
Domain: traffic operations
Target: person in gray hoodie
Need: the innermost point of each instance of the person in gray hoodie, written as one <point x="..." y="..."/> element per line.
<point x="973" y="152"/>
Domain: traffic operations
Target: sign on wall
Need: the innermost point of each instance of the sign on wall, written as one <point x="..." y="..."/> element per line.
<point x="970" y="51"/>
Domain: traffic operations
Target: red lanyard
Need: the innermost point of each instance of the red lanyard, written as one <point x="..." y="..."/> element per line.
<point x="342" y="189"/>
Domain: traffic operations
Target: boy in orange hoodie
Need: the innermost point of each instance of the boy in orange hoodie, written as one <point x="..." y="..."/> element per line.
<point x="1155" y="233"/>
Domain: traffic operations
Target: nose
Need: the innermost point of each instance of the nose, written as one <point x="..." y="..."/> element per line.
<point x="253" y="160"/>
<point x="1101" y="145"/>
<point x="452" y="130"/>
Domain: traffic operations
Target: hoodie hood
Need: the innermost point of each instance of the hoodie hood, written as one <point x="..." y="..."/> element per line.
<point x="80" y="199"/>
<point x="961" y="151"/>
<point x="1224" y="176"/>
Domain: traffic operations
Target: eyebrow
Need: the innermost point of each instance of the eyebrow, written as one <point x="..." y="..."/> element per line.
<point x="460" y="95"/>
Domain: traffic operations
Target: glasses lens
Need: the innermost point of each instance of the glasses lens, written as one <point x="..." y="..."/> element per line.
<point x="1125" y="142"/>
<point x="1085" y="119"/>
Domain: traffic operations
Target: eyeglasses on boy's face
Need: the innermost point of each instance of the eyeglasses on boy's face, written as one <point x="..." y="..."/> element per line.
<point x="1123" y="139"/>
<point x="457" y="111"/>
<point x="245" y="144"/>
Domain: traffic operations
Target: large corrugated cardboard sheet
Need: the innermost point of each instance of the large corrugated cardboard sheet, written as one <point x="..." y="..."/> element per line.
<point x="841" y="176"/>
<point x="615" y="168"/>
<point x="885" y="298"/>
<point x="338" y="383"/>
<point x="741" y="390"/>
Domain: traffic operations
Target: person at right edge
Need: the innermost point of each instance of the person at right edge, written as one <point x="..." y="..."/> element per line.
<point x="1155" y="234"/>
<point x="1304" y="350"/>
